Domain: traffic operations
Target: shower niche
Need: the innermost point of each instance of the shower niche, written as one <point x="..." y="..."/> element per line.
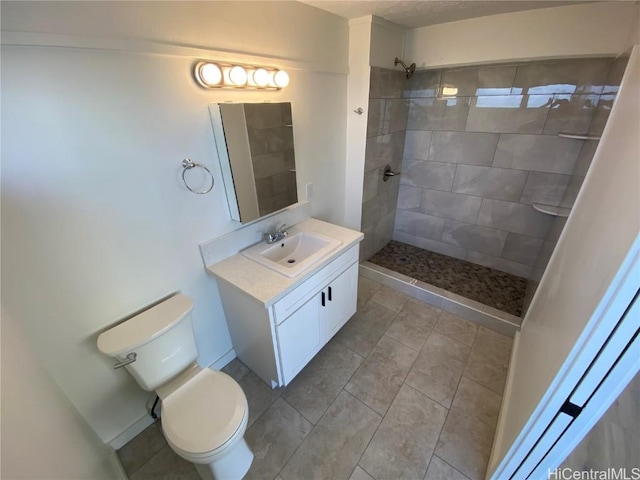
<point x="491" y="161"/>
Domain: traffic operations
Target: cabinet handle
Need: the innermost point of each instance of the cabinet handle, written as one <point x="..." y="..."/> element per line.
<point x="329" y="293"/>
<point x="323" y="304"/>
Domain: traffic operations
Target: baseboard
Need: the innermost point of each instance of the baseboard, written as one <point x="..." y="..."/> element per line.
<point x="131" y="432"/>
<point x="116" y="465"/>
<point x="223" y="360"/>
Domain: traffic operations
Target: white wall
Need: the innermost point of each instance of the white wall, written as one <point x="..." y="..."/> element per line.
<point x="372" y="42"/>
<point x="585" y="30"/>
<point x="357" y="97"/>
<point x="38" y="420"/>
<point x="387" y="43"/>
<point x="95" y="221"/>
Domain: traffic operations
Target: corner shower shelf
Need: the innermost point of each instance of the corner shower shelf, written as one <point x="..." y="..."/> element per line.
<point x="552" y="210"/>
<point x="577" y="136"/>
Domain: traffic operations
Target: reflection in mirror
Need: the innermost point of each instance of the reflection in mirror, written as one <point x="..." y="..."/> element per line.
<point x="255" y="148"/>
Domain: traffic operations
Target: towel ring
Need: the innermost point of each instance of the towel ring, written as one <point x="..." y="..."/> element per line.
<point x="187" y="164"/>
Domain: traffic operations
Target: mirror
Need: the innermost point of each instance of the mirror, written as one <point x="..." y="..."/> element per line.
<point x="255" y="147"/>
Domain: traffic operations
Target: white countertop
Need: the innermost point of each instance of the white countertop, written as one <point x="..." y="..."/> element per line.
<point x="267" y="286"/>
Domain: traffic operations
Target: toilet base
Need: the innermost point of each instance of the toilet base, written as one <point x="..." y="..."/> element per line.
<point x="232" y="466"/>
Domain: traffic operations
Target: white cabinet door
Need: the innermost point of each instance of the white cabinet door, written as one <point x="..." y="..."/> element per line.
<point x="341" y="299"/>
<point x="300" y="337"/>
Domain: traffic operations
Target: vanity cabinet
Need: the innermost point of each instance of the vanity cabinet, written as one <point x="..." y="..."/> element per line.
<point x="301" y="335"/>
<point x="276" y="341"/>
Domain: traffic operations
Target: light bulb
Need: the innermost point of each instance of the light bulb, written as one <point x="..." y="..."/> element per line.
<point x="261" y="77"/>
<point x="281" y="79"/>
<point x="238" y="76"/>
<point x="210" y="74"/>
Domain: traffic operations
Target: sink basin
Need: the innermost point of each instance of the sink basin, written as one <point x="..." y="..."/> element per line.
<point x="294" y="254"/>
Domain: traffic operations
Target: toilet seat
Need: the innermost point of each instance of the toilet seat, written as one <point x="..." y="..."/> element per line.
<point x="204" y="415"/>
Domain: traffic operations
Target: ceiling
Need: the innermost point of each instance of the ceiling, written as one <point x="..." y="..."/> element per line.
<point x="415" y="13"/>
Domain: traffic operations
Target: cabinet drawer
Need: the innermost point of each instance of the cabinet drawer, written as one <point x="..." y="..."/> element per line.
<point x="294" y="300"/>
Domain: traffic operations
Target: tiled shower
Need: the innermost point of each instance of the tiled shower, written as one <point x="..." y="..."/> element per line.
<point x="479" y="146"/>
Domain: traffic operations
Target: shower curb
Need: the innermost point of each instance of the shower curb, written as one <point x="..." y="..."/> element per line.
<point x="489" y="317"/>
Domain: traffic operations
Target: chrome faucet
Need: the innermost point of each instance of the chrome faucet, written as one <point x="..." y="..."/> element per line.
<point x="278" y="235"/>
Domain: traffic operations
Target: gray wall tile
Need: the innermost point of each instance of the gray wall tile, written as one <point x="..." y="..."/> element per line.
<point x="508" y="114"/>
<point x="463" y="147"/>
<point x="585" y="157"/>
<point x="474" y="237"/>
<point x="435" y="175"/>
<point x="514" y="268"/>
<point x="438" y="113"/>
<point x="514" y="217"/>
<point x="409" y="197"/>
<point x="614" y="77"/>
<point x="539" y="153"/>
<point x="450" y="205"/>
<point x="418" y="224"/>
<point x="522" y="248"/>
<point x="425" y="84"/>
<point x="571" y="114"/>
<point x="571" y="192"/>
<point x="581" y="76"/>
<point x="395" y="115"/>
<point x="605" y="104"/>
<point x="416" y="144"/>
<point x="440" y="247"/>
<point x="383" y="149"/>
<point x="386" y="83"/>
<point x="375" y="117"/>
<point x="488" y="182"/>
<point x="479" y="81"/>
<point x="370" y="185"/>
<point x="545" y="188"/>
<point x="376" y="208"/>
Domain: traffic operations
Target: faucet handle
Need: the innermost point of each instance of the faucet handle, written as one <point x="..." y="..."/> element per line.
<point x="282" y="227"/>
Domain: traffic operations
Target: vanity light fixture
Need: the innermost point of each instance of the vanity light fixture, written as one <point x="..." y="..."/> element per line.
<point x="219" y="75"/>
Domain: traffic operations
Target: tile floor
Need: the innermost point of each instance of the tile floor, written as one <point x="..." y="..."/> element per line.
<point x="403" y="391"/>
<point x="486" y="285"/>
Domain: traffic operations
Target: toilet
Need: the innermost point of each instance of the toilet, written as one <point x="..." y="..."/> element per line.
<point x="204" y="412"/>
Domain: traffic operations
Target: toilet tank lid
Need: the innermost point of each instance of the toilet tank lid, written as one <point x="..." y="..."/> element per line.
<point x="145" y="326"/>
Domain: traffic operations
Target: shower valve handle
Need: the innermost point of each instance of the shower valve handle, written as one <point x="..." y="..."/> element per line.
<point x="388" y="173"/>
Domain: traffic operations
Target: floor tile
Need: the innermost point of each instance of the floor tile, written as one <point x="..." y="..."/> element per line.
<point x="360" y="474"/>
<point x="489" y="360"/>
<point x="336" y="443"/>
<point x="438" y="369"/>
<point x="390" y="298"/>
<point x="166" y="465"/>
<point x="274" y="438"/>
<point x="441" y="470"/>
<point x="414" y="323"/>
<point x="365" y="328"/>
<point x="259" y="395"/>
<point x="467" y="436"/>
<point x="144" y="446"/>
<point x="403" y="444"/>
<point x="318" y="384"/>
<point x="457" y="328"/>
<point x="380" y="376"/>
<point x="366" y="289"/>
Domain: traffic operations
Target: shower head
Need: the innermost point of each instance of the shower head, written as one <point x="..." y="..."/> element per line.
<point x="408" y="70"/>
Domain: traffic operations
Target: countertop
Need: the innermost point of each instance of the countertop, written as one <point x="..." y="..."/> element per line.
<point x="267" y="286"/>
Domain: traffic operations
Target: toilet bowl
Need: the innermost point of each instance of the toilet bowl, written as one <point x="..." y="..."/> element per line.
<point x="204" y="420"/>
<point x="204" y="412"/>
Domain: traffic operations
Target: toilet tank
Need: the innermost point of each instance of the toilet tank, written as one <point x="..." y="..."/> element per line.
<point x="162" y="339"/>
